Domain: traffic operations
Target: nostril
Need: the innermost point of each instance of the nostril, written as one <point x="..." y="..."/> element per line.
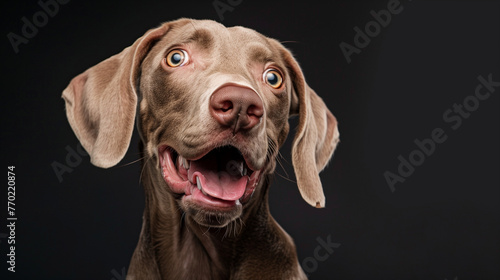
<point x="226" y="106"/>
<point x="254" y="110"/>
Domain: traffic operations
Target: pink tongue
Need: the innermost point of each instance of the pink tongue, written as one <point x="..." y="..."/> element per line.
<point x="218" y="177"/>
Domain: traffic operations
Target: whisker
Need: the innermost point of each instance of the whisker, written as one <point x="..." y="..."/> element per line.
<point x="242" y="224"/>
<point x="286" y="178"/>
<point x="132" y="162"/>
<point x="282" y="157"/>
<point x="228" y="229"/>
<point x="193" y="25"/>
<point x="235" y="227"/>
<point x="273" y="149"/>
<point x="199" y="226"/>
<point x="143" y="168"/>
<point x="282" y="167"/>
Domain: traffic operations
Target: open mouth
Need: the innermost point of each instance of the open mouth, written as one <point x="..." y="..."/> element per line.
<point x="219" y="180"/>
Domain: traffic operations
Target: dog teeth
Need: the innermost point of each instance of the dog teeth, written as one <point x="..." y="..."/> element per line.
<point x="244" y="171"/>
<point x="198" y="184"/>
<point x="240" y="168"/>
<point x="185" y="163"/>
<point x="238" y="202"/>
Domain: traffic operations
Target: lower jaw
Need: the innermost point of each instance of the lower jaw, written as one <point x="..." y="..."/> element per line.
<point x="209" y="216"/>
<point x="213" y="212"/>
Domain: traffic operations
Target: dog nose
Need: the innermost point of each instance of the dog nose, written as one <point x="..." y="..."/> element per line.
<point x="237" y="107"/>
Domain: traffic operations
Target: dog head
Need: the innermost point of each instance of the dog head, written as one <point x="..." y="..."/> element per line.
<point x="213" y="110"/>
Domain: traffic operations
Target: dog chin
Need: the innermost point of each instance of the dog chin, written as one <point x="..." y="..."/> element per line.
<point x="210" y="217"/>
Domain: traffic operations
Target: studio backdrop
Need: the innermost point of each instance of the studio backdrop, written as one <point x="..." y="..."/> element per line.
<point x="412" y="191"/>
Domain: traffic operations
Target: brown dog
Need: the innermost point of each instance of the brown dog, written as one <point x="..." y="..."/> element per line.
<point x="213" y="110"/>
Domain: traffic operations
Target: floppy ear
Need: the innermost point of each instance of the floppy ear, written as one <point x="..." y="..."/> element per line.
<point x="316" y="137"/>
<point x="101" y="102"/>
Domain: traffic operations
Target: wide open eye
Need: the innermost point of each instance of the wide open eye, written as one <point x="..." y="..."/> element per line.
<point x="176" y="58"/>
<point x="273" y="78"/>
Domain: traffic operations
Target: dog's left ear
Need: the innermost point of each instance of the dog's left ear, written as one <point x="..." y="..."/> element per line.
<point x="316" y="137"/>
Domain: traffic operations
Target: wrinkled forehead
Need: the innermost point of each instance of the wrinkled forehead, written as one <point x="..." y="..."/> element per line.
<point x="231" y="43"/>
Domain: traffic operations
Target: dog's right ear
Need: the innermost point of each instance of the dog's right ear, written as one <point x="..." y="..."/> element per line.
<point x="317" y="135"/>
<point x="101" y="102"/>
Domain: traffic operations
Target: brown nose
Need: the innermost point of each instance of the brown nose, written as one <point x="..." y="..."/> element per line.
<point x="237" y="107"/>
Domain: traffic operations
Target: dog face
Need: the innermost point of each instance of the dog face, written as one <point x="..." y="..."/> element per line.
<point x="214" y="112"/>
<point x="214" y="104"/>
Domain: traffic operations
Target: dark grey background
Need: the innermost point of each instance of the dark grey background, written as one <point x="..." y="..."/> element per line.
<point x="441" y="223"/>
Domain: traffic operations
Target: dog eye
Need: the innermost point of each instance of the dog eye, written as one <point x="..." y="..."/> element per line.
<point x="176" y="58"/>
<point x="273" y="78"/>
